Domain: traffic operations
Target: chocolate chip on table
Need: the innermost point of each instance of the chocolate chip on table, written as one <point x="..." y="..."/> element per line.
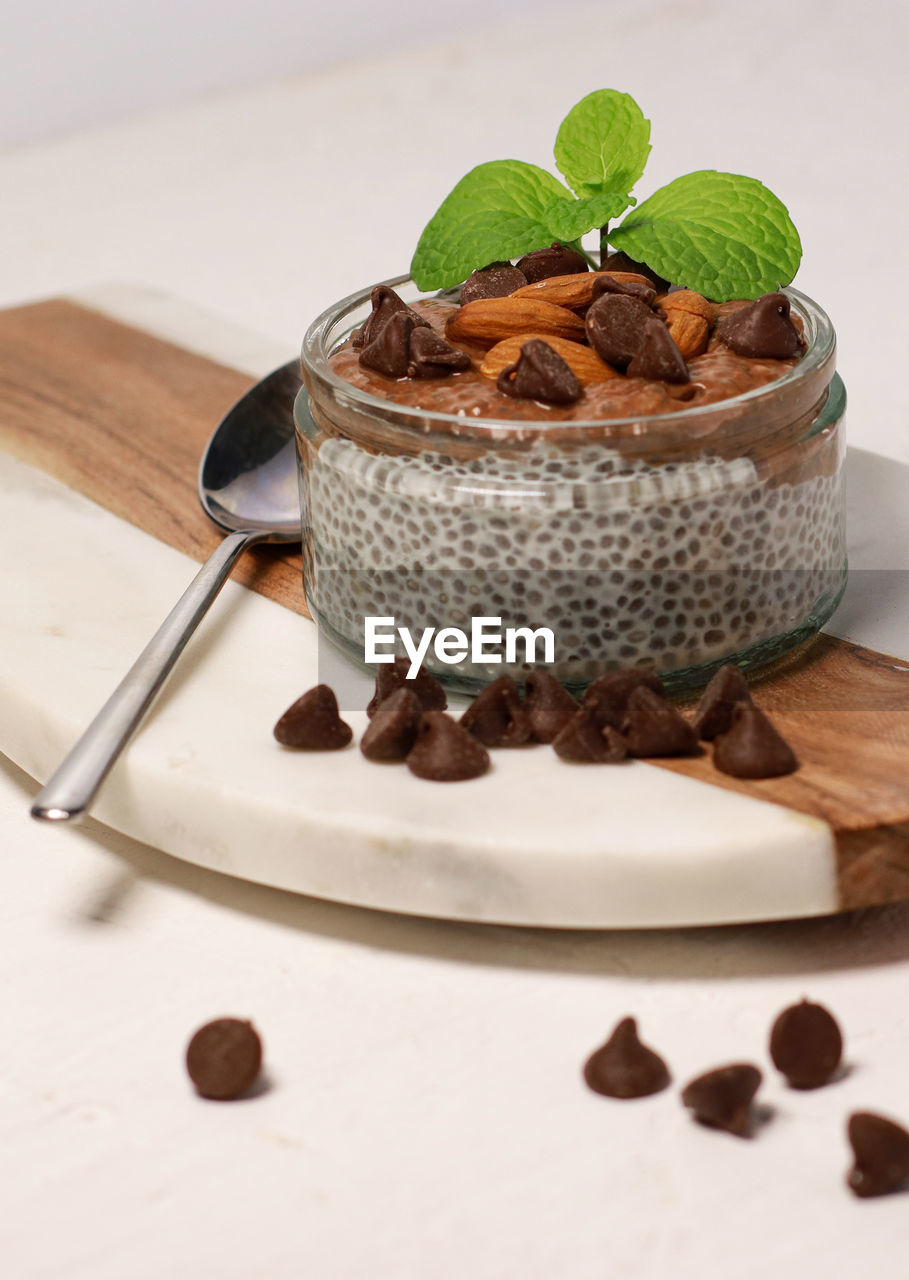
<point x="557" y="260"/>
<point x="608" y="695"/>
<point x="653" y="727"/>
<point x="881" y="1150"/>
<point x="806" y="1045"/>
<point x="432" y="356"/>
<point x="312" y="723"/>
<point x="582" y="741"/>
<point x="497" y="716"/>
<point x="393" y="675"/>
<point x="392" y="731"/>
<point x="497" y="280"/>
<point x="548" y="704"/>
<point x="622" y="262"/>
<point x="385" y="304"/>
<point x="751" y="747"/>
<point x="224" y="1058"/>
<point x="615" y="326"/>
<point x="445" y="752"/>
<point x="603" y="282"/>
<point x="624" y="1067"/>
<point x="713" y="714"/>
<point x="540" y="373"/>
<point x="762" y="330"/>
<point x="658" y="358"/>
<point x="721" y="1099"/>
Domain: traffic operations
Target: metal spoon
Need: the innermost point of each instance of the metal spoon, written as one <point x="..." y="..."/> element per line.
<point x="248" y="486"/>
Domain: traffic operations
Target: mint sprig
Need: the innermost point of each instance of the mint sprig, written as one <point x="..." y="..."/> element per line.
<point x="725" y="235"/>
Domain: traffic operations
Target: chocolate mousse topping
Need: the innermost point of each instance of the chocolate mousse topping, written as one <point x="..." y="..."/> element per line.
<point x="549" y="705"/>
<point x="653" y="727"/>
<point x="557" y="260"/>
<point x="657" y="357"/>
<point x="582" y="741"/>
<point x="385" y="304"/>
<point x="624" y="1067"/>
<point x="391" y="733"/>
<point x="312" y="723"/>
<point x="615" y="327"/>
<point x="540" y="373"/>
<point x="495" y="281"/>
<point x="713" y="714"/>
<point x="721" y="1099"/>
<point x="752" y="748"/>
<point x="393" y="675"/>
<point x="445" y="752"/>
<point x="432" y="356"/>
<point x="881" y="1150"/>
<point x="806" y="1045"/>
<point x="224" y="1058"/>
<point x="497" y="716"/>
<point x="762" y="330"/>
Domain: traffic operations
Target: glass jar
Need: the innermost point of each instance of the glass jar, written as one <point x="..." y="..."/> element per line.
<point x="680" y="541"/>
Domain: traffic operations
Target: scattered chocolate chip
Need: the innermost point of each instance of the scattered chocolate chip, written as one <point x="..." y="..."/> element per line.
<point x="393" y="729"/>
<point x="713" y="714"/>
<point x="224" y="1058"/>
<point x="615" y="326"/>
<point x="557" y="260"/>
<point x="432" y="356"/>
<point x="806" y="1045"/>
<point x="445" y="752"/>
<point x="763" y="329"/>
<point x="721" y="1099"/>
<point x="497" y="716"/>
<point x="881" y="1150"/>
<point x="653" y="727"/>
<point x="751" y="747"/>
<point x="389" y="351"/>
<point x="625" y="1068"/>
<point x="658" y="358"/>
<point x="385" y="304"/>
<point x="497" y="280"/>
<point x="608" y="695"/>
<point x="312" y="723"/>
<point x="548" y="704"/>
<point x="582" y="741"/>
<point x="622" y="262"/>
<point x="393" y="675"/>
<point x="540" y="373"/>
<point x="605" y="283"/>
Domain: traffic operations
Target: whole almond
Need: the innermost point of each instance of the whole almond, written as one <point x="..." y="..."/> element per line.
<point x="562" y="291"/>
<point x="584" y="363"/>
<point x="687" y="300"/>
<point x="689" y="332"/>
<point x="487" y="321"/>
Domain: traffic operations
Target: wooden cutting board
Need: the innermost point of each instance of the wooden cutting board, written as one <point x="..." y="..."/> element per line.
<point x="121" y="416"/>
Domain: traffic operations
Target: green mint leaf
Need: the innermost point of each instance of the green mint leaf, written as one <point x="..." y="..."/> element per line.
<point x="722" y="234"/>
<point x="603" y="143"/>
<point x="571" y="219"/>
<point x="496" y="211"/>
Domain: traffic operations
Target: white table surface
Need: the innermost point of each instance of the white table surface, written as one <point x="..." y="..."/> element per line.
<point x="425" y="1116"/>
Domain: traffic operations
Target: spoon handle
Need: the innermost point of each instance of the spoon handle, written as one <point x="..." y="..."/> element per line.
<point x="72" y="788"/>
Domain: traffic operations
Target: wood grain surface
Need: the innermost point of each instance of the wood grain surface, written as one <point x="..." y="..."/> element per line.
<point x="123" y="417"/>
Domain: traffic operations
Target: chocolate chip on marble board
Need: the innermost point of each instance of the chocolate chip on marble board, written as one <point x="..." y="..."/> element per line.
<point x="445" y="752"/>
<point x="806" y="1045"/>
<point x="432" y="356"/>
<point x="713" y="714"/>
<point x="752" y="747"/>
<point x="608" y="695"/>
<point x="653" y="727"/>
<point x="497" y="280"/>
<point x="623" y="1067"/>
<point x="497" y="716"/>
<point x="389" y="351"/>
<point x="392" y="731"/>
<point x="615" y="326"/>
<point x="722" y="1098"/>
<point x="762" y="330"/>
<point x="881" y="1155"/>
<point x="393" y="675"/>
<point x="582" y="741"/>
<point x="385" y="304"/>
<point x="658" y="359"/>
<point x="540" y="373"/>
<point x="548" y="704"/>
<point x="313" y="723"/>
<point x="557" y="260"/>
<point x="603" y="282"/>
<point x="224" y="1058"/>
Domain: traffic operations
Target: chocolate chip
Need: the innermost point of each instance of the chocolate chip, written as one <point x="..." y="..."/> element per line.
<point x="312" y="723"/>
<point x="625" y="1068"/>
<point x="557" y="260"/>
<point x="495" y="281"/>
<point x="658" y="358"/>
<point x="881" y="1150"/>
<point x="385" y="304"/>
<point x="608" y="695"/>
<point x="393" y="729"/>
<point x="622" y="262"/>
<point x="497" y="716"/>
<point x="714" y="711"/>
<point x="389" y="351"/>
<point x="582" y="741"/>
<point x="549" y="705"/>
<point x="721" y="1099"/>
<point x="605" y="283"/>
<point x="615" y="327"/>
<point x="445" y="752"/>
<point x="432" y="356"/>
<point x="763" y="329"/>
<point x="806" y="1045"/>
<point x="752" y="748"/>
<point x="653" y="727"/>
<point x="540" y="373"/>
<point x="393" y="675"/>
<point x="224" y="1058"/>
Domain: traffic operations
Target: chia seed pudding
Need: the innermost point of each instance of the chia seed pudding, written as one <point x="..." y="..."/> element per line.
<point x="674" y="527"/>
